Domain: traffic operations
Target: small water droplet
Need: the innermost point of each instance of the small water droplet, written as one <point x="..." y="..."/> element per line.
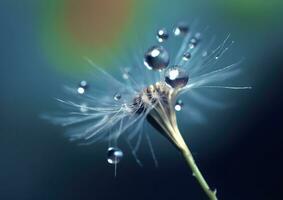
<point x="204" y="53"/>
<point x="83" y="108"/>
<point x="81" y="90"/>
<point x="117" y="96"/>
<point x="176" y="77"/>
<point x="198" y="35"/>
<point x="126" y="73"/>
<point x="162" y="35"/>
<point x="179" y="105"/>
<point x="216" y="57"/>
<point x="83" y="85"/>
<point x="114" y="155"/>
<point x="156" y="58"/>
<point x="125" y="76"/>
<point x="187" y="56"/>
<point x="181" y="29"/>
<point x="193" y="42"/>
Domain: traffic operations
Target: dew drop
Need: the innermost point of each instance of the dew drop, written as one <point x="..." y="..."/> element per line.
<point x="83" y="85"/>
<point x="83" y="108"/>
<point x="187" y="56"/>
<point x="117" y="96"/>
<point x="181" y="29"/>
<point x="114" y="155"/>
<point x="193" y="42"/>
<point x="162" y="35"/>
<point x="176" y="77"/>
<point x="126" y="73"/>
<point x="81" y="90"/>
<point x="156" y="58"/>
<point x="179" y="105"/>
<point x="197" y="35"/>
<point x="125" y="76"/>
<point x="204" y="53"/>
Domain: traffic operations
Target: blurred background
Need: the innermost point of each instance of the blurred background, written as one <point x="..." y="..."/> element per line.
<point x="43" y="43"/>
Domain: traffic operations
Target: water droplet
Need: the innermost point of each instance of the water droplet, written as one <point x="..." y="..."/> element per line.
<point x="117" y="96"/>
<point x="181" y="29"/>
<point x="81" y="90"/>
<point x="179" y="105"/>
<point x="114" y="155"/>
<point x="176" y="77"/>
<point x="198" y="35"/>
<point x="126" y="73"/>
<point x="125" y="76"/>
<point x="204" y="53"/>
<point x="193" y="42"/>
<point x="83" y="108"/>
<point x="82" y="87"/>
<point x="156" y="58"/>
<point x="83" y="84"/>
<point x="187" y="56"/>
<point x="162" y="35"/>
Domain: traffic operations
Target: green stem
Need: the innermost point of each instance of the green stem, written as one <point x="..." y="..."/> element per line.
<point x="197" y="174"/>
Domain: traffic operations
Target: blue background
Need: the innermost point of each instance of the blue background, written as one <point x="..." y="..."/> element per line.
<point x="243" y="161"/>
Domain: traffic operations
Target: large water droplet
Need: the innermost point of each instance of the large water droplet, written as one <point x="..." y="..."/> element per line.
<point x="114" y="155"/>
<point x="179" y="105"/>
<point x="162" y="35"/>
<point x="117" y="96"/>
<point x="181" y="29"/>
<point x="187" y="56"/>
<point x="176" y="77"/>
<point x="156" y="58"/>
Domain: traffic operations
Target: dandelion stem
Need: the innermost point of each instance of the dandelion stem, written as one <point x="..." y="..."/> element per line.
<point x="197" y="174"/>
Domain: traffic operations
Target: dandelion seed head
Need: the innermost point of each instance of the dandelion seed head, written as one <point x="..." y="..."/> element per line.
<point x="140" y="96"/>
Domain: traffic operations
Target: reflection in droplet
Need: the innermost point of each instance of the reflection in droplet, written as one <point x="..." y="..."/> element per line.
<point x="156" y="58"/>
<point x="114" y="155"/>
<point x="176" y="77"/>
